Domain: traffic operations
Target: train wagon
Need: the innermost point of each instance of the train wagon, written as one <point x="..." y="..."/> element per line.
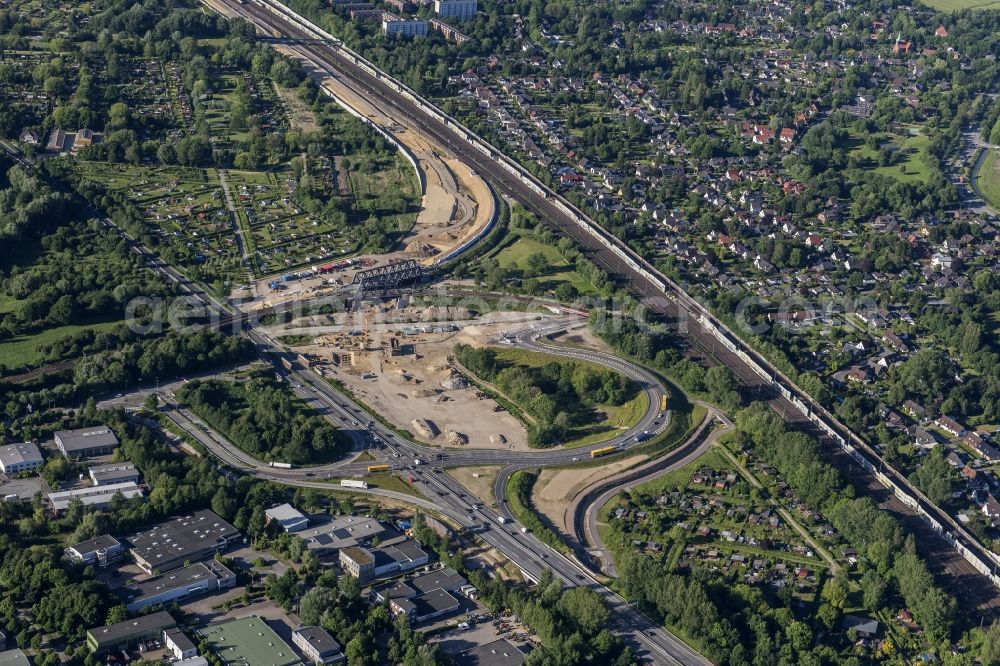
<point x="597" y="453"/>
<point x="378" y="468"/>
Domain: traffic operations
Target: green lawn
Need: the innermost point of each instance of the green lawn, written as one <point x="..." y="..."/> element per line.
<point x="515" y="256"/>
<point x="679" y="479"/>
<point x="618" y="417"/>
<point x="23" y="350"/>
<point x="910" y="167"/>
<point x="988" y="178"/>
<point x="955" y="5"/>
<point x="8" y="304"/>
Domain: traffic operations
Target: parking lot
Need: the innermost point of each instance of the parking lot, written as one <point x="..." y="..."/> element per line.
<point x="454" y="641"/>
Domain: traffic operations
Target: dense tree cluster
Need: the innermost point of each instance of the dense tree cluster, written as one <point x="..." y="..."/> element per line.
<point x="265" y="419"/>
<point x="571" y="623"/>
<point x="874" y="533"/>
<point x="28" y="209"/>
<point x="120" y="358"/>
<point x="557" y="396"/>
<point x="84" y="274"/>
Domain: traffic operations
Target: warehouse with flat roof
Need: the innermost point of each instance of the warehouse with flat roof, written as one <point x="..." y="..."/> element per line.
<point x="199" y="578"/>
<point x="101" y="551"/>
<point x="248" y="641"/>
<point x="122" y="472"/>
<point x="17" y="458"/>
<point x="98" y="497"/>
<point x="287" y="516"/>
<point x="86" y="442"/>
<point x="13" y="658"/>
<point x="125" y="634"/>
<point x="182" y="539"/>
<point x="500" y="652"/>
<point x="343" y="532"/>
<point x="317" y="645"/>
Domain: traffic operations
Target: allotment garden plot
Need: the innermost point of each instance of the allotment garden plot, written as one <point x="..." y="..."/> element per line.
<point x="183" y="207"/>
<point x="282" y="234"/>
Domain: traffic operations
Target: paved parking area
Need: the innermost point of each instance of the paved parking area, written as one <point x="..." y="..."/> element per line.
<point x="457" y="640"/>
<point x="24" y="489"/>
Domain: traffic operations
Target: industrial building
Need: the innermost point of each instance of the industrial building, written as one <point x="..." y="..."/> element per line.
<point x="123" y="472"/>
<point x="248" y="641"/>
<point x="327" y="539"/>
<point x="317" y="645"/>
<point x="367" y="565"/>
<point x="17" y="458"/>
<point x="500" y="652"/>
<point x="86" y="442"/>
<point x="426" y="606"/>
<point x="182" y="539"/>
<point x="444" y="578"/>
<point x="287" y="516"/>
<point x="461" y="10"/>
<point x="200" y="578"/>
<point x="125" y="634"/>
<point x="394" y="26"/>
<point x="179" y="644"/>
<point x="98" y="497"/>
<point x="99" y="551"/>
<point x="13" y="658"/>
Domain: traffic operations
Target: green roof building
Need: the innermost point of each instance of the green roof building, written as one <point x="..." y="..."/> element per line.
<point x="249" y="641"/>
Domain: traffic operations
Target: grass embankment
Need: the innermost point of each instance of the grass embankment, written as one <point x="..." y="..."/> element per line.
<point x="560" y="401"/>
<point x="988" y="178"/>
<point x="957" y="5"/>
<point x="519" y="489"/>
<point x="265" y="419"/>
<point x="24" y="351"/>
<point x="515" y="256"/>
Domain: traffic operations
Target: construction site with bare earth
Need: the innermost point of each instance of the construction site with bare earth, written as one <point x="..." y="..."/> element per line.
<point x="405" y="372"/>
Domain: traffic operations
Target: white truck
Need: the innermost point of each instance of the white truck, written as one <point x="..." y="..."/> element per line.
<point x="354" y="483"/>
<point x="503" y="521"/>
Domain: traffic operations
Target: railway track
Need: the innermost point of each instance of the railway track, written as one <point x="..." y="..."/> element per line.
<point x="974" y="590"/>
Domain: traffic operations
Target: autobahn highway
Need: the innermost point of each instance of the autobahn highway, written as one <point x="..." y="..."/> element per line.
<point x="524" y="549"/>
<point x="443" y="494"/>
<point x="651" y="642"/>
<point x="973" y="590"/>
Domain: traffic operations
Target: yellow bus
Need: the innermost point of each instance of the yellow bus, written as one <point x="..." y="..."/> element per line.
<point x="378" y="468"/>
<point x="597" y="453"/>
<point x="663" y="402"/>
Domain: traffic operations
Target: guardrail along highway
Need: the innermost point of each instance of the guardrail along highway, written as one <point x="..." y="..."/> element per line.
<point x="947" y="545"/>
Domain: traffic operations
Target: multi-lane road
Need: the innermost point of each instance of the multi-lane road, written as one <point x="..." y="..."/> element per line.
<point x="975" y="591"/>
<point x="444" y="495"/>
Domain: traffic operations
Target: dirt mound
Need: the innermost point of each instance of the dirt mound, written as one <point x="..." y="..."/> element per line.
<point x="457" y="438"/>
<point x="425" y="428"/>
<point x="456" y="382"/>
<point x="420" y="249"/>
